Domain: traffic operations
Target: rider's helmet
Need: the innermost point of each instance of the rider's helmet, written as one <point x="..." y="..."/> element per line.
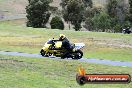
<point x="128" y="27"/>
<point x="62" y="37"/>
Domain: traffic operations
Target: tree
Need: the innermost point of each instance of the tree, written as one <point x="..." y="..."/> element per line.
<point x="117" y="28"/>
<point x="57" y="23"/>
<point x="102" y="22"/>
<point x="64" y="3"/>
<point x="88" y="24"/>
<point x="89" y="14"/>
<point x="122" y="11"/>
<point x="130" y="11"/>
<point x="117" y="10"/>
<point x="130" y="3"/>
<point x="88" y="3"/>
<point x="38" y="13"/>
<point x="73" y="13"/>
<point x="112" y="8"/>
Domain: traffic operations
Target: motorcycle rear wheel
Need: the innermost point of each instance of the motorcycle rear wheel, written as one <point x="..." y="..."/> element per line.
<point x="77" y="54"/>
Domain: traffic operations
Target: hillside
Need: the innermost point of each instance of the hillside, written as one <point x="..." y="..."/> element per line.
<point x="11" y="7"/>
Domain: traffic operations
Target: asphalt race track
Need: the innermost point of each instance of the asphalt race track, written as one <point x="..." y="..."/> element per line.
<point x="88" y="60"/>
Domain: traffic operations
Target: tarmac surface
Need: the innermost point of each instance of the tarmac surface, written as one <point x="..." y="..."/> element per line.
<point x="88" y="60"/>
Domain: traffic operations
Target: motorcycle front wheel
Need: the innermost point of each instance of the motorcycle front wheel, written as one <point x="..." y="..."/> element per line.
<point x="42" y="52"/>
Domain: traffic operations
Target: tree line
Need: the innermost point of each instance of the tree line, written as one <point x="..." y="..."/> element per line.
<point x="113" y="17"/>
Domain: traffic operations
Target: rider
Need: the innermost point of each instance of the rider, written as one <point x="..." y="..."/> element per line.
<point x="65" y="41"/>
<point x="65" y="44"/>
<point x="128" y="30"/>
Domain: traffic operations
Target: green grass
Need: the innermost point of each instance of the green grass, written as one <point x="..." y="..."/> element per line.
<point x="14" y="37"/>
<point x="23" y="72"/>
<point x="111" y="54"/>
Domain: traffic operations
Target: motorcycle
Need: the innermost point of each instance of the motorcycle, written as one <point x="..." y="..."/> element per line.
<point x="126" y="31"/>
<point x="53" y="48"/>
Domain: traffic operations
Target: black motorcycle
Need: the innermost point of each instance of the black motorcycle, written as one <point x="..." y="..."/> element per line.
<point x="126" y="31"/>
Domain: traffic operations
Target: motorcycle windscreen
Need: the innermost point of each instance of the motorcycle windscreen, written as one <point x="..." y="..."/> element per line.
<point x="58" y="44"/>
<point x="79" y="45"/>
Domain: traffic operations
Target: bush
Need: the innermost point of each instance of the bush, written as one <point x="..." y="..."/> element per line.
<point x="88" y="24"/>
<point x="57" y="23"/>
<point x="126" y="24"/>
<point x="101" y="22"/>
<point x="117" y="28"/>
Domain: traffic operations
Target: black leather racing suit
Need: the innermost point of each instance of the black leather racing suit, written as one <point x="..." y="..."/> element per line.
<point x="66" y="44"/>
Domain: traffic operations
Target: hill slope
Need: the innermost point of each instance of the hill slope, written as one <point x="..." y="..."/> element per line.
<point x="10" y="7"/>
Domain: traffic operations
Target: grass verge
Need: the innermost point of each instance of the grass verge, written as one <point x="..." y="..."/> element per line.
<point x="23" y="72"/>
